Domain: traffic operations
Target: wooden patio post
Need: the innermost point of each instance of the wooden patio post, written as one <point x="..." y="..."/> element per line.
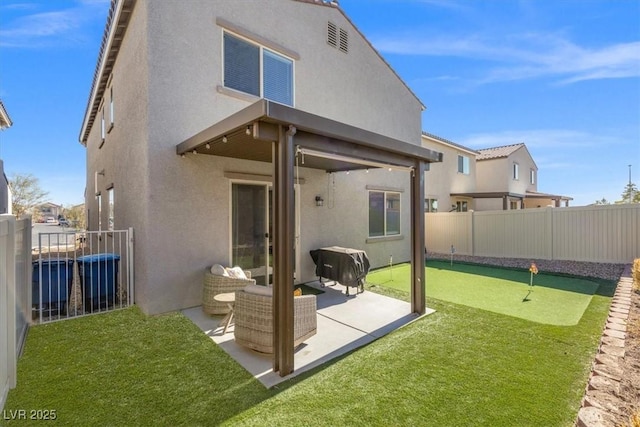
<point x="283" y="251"/>
<point x="418" y="280"/>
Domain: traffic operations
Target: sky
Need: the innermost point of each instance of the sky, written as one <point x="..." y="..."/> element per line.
<point x="562" y="76"/>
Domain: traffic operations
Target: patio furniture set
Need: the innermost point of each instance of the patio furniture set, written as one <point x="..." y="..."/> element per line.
<point x="232" y="292"/>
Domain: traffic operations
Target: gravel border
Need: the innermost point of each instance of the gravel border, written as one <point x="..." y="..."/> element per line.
<point x="597" y="270"/>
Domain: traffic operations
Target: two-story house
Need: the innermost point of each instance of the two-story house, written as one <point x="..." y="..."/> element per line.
<point x="450" y="181"/>
<point x="498" y="178"/>
<point x="508" y="179"/>
<point x="5" y="190"/>
<point x="249" y="133"/>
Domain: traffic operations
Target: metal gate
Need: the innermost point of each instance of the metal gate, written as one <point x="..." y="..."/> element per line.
<point x="80" y="273"/>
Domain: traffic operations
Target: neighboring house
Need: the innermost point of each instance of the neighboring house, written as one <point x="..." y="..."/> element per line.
<point x="47" y="211"/>
<point x="508" y="179"/>
<point x="455" y="175"/>
<point x="499" y="178"/>
<point x="198" y="114"/>
<point x="5" y="190"/>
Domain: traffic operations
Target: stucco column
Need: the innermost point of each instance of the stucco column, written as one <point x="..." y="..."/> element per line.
<point x="283" y="251"/>
<point x="418" y="281"/>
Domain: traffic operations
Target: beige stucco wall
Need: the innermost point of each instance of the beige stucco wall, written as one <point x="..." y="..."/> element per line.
<point x="443" y="178"/>
<point x="165" y="81"/>
<point x="497" y="174"/>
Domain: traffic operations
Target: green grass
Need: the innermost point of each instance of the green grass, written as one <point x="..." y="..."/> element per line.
<point x="458" y="366"/>
<point x="555" y="300"/>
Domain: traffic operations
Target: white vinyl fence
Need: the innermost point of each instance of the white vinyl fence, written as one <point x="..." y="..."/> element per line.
<point x="609" y="233"/>
<point x="15" y="281"/>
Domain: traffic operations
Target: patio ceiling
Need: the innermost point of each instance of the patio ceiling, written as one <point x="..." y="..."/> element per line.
<point x="248" y="135"/>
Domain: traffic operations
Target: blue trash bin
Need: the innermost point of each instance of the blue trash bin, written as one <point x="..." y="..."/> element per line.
<point x="57" y="278"/>
<point x="98" y="277"/>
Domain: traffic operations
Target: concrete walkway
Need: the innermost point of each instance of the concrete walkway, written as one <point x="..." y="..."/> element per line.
<point x="344" y="324"/>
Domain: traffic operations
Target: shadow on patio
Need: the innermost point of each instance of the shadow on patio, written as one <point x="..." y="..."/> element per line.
<point x="344" y="324"/>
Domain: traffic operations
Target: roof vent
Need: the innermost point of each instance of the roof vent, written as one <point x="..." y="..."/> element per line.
<point x="337" y="37"/>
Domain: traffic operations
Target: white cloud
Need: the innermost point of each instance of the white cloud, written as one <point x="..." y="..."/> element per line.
<point x="37" y="29"/>
<point x="540" y="138"/>
<point x="524" y="56"/>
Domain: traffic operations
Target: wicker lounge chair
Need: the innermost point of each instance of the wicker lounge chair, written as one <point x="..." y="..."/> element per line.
<point x="254" y="321"/>
<point x="214" y="285"/>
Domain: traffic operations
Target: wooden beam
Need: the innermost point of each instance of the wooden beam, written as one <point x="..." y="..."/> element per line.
<point x="418" y="279"/>
<point x="283" y="249"/>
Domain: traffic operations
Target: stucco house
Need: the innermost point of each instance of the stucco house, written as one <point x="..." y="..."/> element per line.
<point x="456" y="174"/>
<point x="220" y="134"/>
<point x="498" y="178"/>
<point x="5" y="191"/>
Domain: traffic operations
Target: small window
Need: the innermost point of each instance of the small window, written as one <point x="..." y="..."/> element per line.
<point x="431" y="205"/>
<point x="102" y="129"/>
<point x="110" y="202"/>
<point x="111" y="108"/>
<point x="384" y="213"/>
<point x="516" y="171"/>
<point x="256" y="70"/>
<point x="532" y="177"/>
<point x="463" y="165"/>
<point x="513" y="205"/>
<point x="99" y="198"/>
<point x="462" y="206"/>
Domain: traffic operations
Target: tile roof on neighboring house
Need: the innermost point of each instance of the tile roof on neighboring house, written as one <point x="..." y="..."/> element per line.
<point x="451" y="143"/>
<point x="5" y="120"/>
<point x="498" y="152"/>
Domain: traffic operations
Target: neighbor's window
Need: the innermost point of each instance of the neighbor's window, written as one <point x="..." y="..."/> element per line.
<point x="532" y="176"/>
<point x="516" y="171"/>
<point x="513" y="205"/>
<point x="256" y="70"/>
<point x="463" y="165"/>
<point x="431" y="205"/>
<point x="110" y="207"/>
<point x="384" y="213"/>
<point x="462" y="206"/>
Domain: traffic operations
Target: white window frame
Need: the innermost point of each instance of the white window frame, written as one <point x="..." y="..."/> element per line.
<point x="462" y="206"/>
<point x="465" y="164"/>
<point x="431" y="205"/>
<point x="532" y="176"/>
<point x="111" y="108"/>
<point x="516" y="171"/>
<point x="99" y="198"/>
<point x="110" y="209"/>
<point x="102" y="126"/>
<point x="385" y="225"/>
<point x="262" y="49"/>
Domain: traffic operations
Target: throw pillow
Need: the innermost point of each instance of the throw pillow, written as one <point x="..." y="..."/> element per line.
<point x="236" y="273"/>
<point x="218" y="270"/>
<point x="297" y="292"/>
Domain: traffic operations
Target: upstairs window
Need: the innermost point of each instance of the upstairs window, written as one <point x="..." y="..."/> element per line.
<point x="532" y="177"/>
<point x="431" y="205"/>
<point x="516" y="172"/>
<point x="111" y="119"/>
<point x="463" y="165"/>
<point x="256" y="70"/>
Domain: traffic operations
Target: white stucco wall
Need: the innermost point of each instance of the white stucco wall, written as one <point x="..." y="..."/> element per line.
<point x="165" y="81"/>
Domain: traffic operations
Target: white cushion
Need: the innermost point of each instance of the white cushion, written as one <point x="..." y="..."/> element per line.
<point x="218" y="270"/>
<point x="237" y="273"/>
<point x="258" y="290"/>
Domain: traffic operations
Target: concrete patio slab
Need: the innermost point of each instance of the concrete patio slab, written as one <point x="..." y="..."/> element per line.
<point x="345" y="323"/>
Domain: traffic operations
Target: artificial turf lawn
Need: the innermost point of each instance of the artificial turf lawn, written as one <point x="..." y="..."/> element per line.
<point x="554" y="300"/>
<point x="458" y="366"/>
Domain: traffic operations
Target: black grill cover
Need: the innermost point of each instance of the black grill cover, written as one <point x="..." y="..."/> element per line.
<point x="346" y="266"/>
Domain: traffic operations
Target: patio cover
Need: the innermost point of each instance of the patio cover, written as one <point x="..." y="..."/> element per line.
<point x="271" y="132"/>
